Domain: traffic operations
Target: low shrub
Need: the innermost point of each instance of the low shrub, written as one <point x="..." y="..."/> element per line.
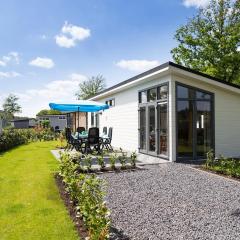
<point x="112" y="160"/>
<point x="87" y="194"/>
<point x="10" y="138"/>
<point x="88" y="162"/>
<point x="133" y="159"/>
<point x="223" y="165"/>
<point x="122" y="158"/>
<point x="101" y="162"/>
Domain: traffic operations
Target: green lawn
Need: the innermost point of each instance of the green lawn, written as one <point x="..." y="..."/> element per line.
<point x="30" y="205"/>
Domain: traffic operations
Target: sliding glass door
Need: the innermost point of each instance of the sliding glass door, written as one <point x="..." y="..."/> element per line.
<point x="195" y="127"/>
<point x="203" y="128"/>
<point x="151" y="129"/>
<point x="153" y="121"/>
<point x="162" y="109"/>
<point x="185" y="128"/>
<point x="142" y="128"/>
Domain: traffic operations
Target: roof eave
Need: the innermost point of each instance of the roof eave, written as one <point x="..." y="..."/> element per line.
<point x="149" y="75"/>
<point x="166" y="68"/>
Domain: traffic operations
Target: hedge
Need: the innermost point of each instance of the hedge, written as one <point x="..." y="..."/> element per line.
<point x="11" y="138"/>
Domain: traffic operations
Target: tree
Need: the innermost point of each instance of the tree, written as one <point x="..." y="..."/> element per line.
<point x="91" y="87"/>
<point x="210" y="41"/>
<point x="48" y="112"/>
<point x="11" y="106"/>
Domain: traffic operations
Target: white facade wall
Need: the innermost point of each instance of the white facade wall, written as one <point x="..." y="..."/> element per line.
<point x="227" y="115"/>
<point x="123" y="117"/>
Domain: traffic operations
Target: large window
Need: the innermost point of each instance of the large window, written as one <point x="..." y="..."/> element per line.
<point x="142" y="128"/>
<point x="153" y="121"/>
<point x="162" y="110"/>
<point x="195" y="126"/>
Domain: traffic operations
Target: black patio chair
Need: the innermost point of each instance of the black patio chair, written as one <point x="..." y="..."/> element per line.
<point x="71" y="141"/>
<point x="93" y="142"/>
<point x="81" y="129"/>
<point x="105" y="130"/>
<point x="107" y="141"/>
<point x="56" y="129"/>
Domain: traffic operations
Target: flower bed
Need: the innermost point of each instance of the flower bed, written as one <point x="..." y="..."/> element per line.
<point x="223" y="165"/>
<point x="113" y="161"/>
<point x="87" y="195"/>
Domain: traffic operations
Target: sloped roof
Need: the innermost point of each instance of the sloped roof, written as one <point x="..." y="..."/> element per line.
<point x="160" y="67"/>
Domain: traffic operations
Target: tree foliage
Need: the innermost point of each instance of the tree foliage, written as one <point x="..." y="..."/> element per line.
<point x="210" y="41"/>
<point x="90" y="87"/>
<point x="48" y="112"/>
<point x="11" y="106"/>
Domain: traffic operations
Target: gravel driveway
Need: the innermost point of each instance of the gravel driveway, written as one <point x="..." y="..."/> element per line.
<point x="173" y="201"/>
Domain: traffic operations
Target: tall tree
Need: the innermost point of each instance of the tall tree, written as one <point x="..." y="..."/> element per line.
<point x="11" y="106"/>
<point x="90" y="87"/>
<point x="210" y="41"/>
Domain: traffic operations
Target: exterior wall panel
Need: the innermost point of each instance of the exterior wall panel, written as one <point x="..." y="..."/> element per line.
<point x="123" y="117"/>
<point x="227" y="115"/>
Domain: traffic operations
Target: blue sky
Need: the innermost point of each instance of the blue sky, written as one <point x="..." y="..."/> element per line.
<point x="48" y="47"/>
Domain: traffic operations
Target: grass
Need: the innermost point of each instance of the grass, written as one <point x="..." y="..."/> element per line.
<point x="31" y="207"/>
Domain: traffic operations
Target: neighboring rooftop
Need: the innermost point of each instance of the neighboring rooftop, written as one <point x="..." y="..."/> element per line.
<point x="22" y="119"/>
<point x="51" y="115"/>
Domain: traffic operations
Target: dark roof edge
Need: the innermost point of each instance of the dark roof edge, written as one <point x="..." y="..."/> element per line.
<point x="23" y="119"/>
<point x="160" y="67"/>
<point x="45" y="115"/>
<point x="203" y="75"/>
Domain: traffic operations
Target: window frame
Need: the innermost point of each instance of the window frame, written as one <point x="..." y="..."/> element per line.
<point x="158" y="99"/>
<point x="147" y="105"/>
<point x="194" y="99"/>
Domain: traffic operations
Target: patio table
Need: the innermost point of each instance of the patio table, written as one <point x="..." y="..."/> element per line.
<point x="85" y="135"/>
<point x="82" y="137"/>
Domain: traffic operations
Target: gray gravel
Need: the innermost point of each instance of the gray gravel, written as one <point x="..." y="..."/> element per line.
<point x="173" y="201"/>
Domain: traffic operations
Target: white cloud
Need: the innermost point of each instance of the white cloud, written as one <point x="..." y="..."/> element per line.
<point x="11" y="57"/>
<point x="14" y="56"/>
<point x="2" y="63"/>
<point x="238" y="48"/>
<point x="63" y="41"/>
<point x="196" y="3"/>
<point x="71" y="34"/>
<point x="137" y="65"/>
<point x="42" y="62"/>
<point x="33" y="100"/>
<point x="9" y="74"/>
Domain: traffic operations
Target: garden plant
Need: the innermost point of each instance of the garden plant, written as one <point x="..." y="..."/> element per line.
<point x="11" y="138"/>
<point x="86" y="192"/>
<point x="223" y="165"/>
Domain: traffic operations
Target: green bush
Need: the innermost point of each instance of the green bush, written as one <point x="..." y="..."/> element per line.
<point x="113" y="158"/>
<point x="223" y="165"/>
<point x="10" y="138"/>
<point x="101" y="162"/>
<point x="133" y="159"/>
<point x="122" y="158"/>
<point x="86" y="192"/>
